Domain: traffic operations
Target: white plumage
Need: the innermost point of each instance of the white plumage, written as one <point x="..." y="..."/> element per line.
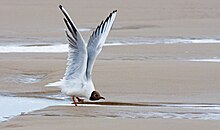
<point x="77" y="80"/>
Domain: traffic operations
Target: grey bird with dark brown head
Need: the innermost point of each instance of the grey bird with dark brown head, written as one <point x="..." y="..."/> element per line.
<point x="77" y="81"/>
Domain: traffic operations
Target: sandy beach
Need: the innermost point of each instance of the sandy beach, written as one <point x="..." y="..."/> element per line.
<point x="150" y="74"/>
<point x="41" y="21"/>
<point x="162" y="76"/>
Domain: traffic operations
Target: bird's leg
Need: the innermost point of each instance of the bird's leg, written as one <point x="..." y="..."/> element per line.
<point x="79" y="99"/>
<point x="74" y="102"/>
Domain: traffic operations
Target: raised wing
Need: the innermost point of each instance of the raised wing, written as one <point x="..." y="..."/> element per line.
<point x="77" y="55"/>
<point x="97" y="40"/>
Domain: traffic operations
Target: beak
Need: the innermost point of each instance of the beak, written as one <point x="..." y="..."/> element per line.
<point x="102" y="98"/>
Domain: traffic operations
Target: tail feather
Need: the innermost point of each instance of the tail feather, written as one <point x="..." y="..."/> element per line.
<point x="55" y="84"/>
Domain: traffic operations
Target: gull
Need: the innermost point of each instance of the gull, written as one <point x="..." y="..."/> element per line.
<point x="77" y="81"/>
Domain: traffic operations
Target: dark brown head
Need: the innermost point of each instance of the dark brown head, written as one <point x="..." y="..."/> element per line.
<point x="95" y="96"/>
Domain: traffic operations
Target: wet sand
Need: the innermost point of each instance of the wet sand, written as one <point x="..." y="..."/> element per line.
<point x="132" y="74"/>
<point x="41" y="21"/>
<point x="64" y="118"/>
<point x="128" y="74"/>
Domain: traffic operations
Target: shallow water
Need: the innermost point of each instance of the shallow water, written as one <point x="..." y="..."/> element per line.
<point x="163" y="110"/>
<point x="13" y="106"/>
<point x="60" y="48"/>
<point x="172" y="40"/>
<point x="206" y="60"/>
<point x="116" y="110"/>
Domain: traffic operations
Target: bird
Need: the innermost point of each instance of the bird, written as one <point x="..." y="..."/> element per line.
<point x="77" y="81"/>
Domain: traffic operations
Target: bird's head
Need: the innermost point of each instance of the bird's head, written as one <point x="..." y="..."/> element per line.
<point x="96" y="96"/>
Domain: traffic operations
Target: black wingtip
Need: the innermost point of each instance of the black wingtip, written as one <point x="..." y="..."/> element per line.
<point x="64" y="20"/>
<point x="115" y="11"/>
<point x="60" y="6"/>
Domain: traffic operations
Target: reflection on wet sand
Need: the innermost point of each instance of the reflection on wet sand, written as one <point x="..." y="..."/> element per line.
<point x="145" y="110"/>
<point x="135" y="110"/>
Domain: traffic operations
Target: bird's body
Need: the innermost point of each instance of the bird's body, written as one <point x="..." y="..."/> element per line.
<point x="77" y="88"/>
<point x="77" y="80"/>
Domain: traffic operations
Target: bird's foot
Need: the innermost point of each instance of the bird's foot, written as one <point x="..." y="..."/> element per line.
<point x="79" y="99"/>
<point x="74" y="102"/>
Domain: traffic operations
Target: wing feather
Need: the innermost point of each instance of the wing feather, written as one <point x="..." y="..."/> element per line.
<point x="77" y="55"/>
<point x="97" y="40"/>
